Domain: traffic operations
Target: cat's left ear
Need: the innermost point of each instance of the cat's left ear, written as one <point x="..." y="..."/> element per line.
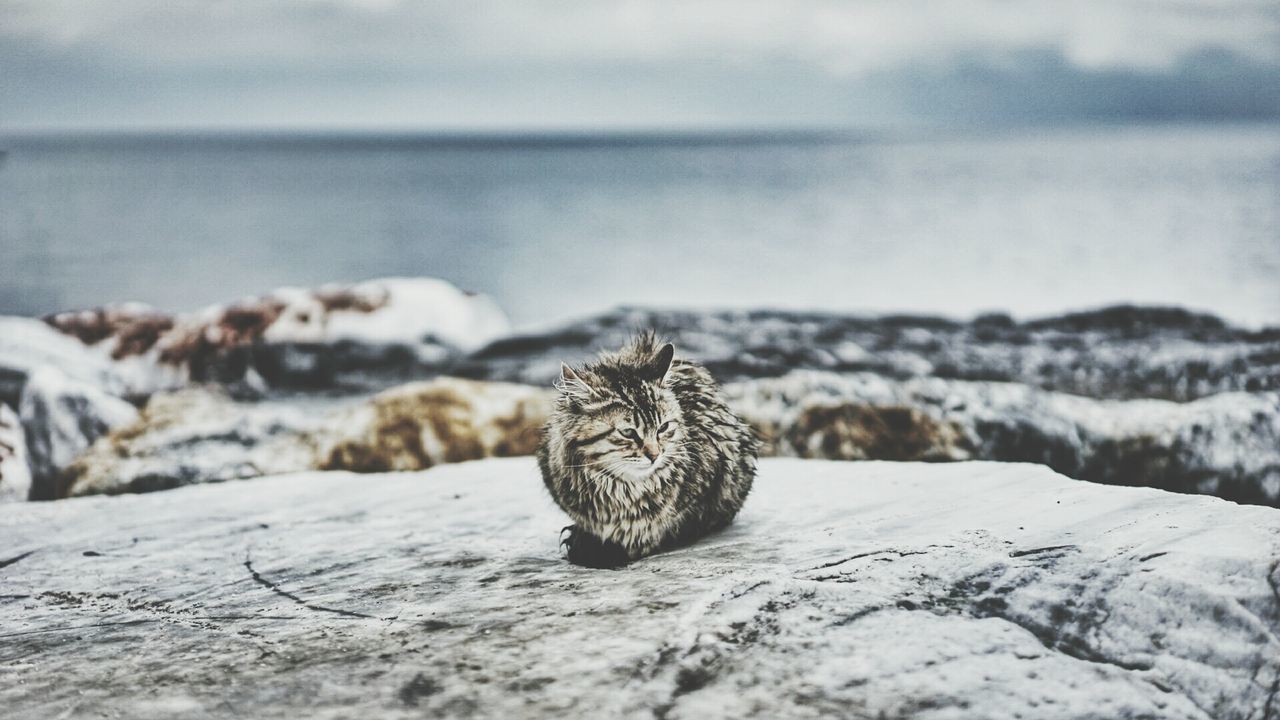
<point x="661" y="363"/>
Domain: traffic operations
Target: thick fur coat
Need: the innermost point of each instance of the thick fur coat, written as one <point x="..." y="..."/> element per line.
<point x="643" y="454"/>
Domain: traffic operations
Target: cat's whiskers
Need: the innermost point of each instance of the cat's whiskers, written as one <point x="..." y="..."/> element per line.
<point x="592" y="464"/>
<point x="612" y="468"/>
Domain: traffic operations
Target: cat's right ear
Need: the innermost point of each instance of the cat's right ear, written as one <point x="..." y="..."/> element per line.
<point x="572" y="385"/>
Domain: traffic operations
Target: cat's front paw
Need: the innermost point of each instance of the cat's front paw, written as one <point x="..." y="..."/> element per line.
<point x="583" y="548"/>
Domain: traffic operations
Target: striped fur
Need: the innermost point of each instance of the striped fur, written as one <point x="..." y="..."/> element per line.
<point x="643" y="454"/>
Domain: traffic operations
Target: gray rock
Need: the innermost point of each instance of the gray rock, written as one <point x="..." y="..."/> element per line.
<point x="1116" y="352"/>
<point x="61" y="417"/>
<point x="863" y="590"/>
<point x="15" y="474"/>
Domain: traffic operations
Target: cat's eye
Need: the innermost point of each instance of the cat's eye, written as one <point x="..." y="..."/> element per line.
<point x="630" y="433"/>
<point x="664" y="427"/>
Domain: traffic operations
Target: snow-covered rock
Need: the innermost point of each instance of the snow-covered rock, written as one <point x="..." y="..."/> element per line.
<point x="1115" y="352"/>
<point x="1227" y="445"/>
<point x="370" y="334"/>
<point x="61" y="417"/>
<point x="889" y="390"/>
<point x="875" y="590"/>
<point x="27" y="345"/>
<point x="199" y="435"/>
<point x="389" y="311"/>
<point x="15" y="473"/>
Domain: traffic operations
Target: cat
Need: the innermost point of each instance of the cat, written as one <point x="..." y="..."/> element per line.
<point x="643" y="455"/>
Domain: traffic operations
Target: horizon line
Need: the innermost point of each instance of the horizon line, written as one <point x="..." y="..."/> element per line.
<point x="741" y="134"/>
<point x="495" y="138"/>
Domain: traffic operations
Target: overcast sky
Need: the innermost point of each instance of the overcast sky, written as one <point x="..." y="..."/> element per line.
<point x="584" y="64"/>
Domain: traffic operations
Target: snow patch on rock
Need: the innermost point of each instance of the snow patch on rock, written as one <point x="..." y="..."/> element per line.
<point x="27" y="345"/>
<point x="389" y="311"/>
<point x="15" y="474"/>
<point x="61" y="418"/>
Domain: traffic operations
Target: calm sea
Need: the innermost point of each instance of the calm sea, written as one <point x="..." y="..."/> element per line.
<point x="1033" y="222"/>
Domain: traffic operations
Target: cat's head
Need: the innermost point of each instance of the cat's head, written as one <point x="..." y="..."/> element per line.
<point x="618" y="414"/>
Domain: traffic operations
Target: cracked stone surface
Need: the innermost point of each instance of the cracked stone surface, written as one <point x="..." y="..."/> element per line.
<point x="876" y="590"/>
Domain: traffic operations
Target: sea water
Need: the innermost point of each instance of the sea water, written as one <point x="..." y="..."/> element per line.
<point x="1030" y="222"/>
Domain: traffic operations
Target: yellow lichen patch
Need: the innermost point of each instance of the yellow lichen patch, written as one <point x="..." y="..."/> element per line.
<point x="849" y="431"/>
<point x="445" y="420"/>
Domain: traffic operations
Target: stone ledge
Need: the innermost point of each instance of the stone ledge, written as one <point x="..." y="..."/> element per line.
<point x="966" y="590"/>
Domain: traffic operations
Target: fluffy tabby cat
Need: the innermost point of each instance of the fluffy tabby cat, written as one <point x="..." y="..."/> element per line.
<point x="643" y="455"/>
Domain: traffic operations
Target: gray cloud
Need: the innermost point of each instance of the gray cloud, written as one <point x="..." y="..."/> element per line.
<point x="578" y="63"/>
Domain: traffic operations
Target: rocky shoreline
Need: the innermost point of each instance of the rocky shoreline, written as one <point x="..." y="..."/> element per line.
<point x="404" y="374"/>
<point x="323" y="549"/>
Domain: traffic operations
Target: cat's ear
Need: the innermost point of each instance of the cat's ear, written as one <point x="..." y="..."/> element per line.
<point x="661" y="364"/>
<point x="570" y="383"/>
<point x="567" y="375"/>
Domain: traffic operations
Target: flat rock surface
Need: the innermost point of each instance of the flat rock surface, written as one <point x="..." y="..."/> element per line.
<point x="878" y="590"/>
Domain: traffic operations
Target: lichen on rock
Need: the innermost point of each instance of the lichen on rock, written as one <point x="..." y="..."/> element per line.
<point x="416" y="426"/>
<point x="855" y="431"/>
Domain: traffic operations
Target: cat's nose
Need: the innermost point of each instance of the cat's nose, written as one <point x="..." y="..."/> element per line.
<point x="651" y="452"/>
